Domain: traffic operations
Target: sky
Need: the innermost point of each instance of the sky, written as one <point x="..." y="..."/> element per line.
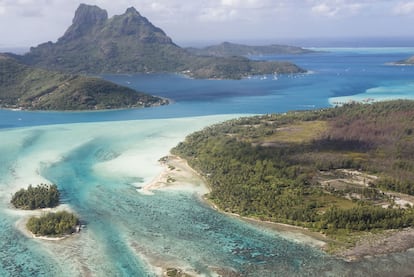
<point x="26" y="23"/>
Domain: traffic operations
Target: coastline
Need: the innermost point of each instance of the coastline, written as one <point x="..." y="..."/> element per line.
<point x="163" y="102"/>
<point x="177" y="174"/>
<point x="187" y="178"/>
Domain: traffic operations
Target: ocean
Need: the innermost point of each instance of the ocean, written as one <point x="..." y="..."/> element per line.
<point x="99" y="159"/>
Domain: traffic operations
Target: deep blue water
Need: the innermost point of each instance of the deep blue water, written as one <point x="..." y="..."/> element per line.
<point x="127" y="233"/>
<point x="345" y="71"/>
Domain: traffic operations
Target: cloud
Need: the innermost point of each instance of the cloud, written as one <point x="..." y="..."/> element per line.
<point x="341" y="8"/>
<point x="216" y="15"/>
<point x="245" y="10"/>
<point x="324" y="10"/>
<point x="404" y="8"/>
<point x="24" y="8"/>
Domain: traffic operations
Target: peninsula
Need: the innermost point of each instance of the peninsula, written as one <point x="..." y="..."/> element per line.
<point x="130" y="43"/>
<point x="345" y="172"/>
<point x="26" y="87"/>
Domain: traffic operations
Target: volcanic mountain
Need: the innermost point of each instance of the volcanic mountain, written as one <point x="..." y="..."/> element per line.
<point x="130" y="43"/>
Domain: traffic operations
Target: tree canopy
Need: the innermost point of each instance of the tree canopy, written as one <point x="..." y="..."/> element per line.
<point x="53" y="224"/>
<point x="41" y="196"/>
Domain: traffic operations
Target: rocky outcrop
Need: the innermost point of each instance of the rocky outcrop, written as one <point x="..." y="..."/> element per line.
<point x="86" y="19"/>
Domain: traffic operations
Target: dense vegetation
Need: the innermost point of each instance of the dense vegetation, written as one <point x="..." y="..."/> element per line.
<point x="129" y="43"/>
<point x="25" y="87"/>
<point x="49" y="224"/>
<point x="227" y="49"/>
<point x="39" y="197"/>
<point x="53" y="224"/>
<point x="329" y="170"/>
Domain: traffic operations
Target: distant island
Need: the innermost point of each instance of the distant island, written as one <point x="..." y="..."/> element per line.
<point x="346" y="172"/>
<point x="130" y="43"/>
<point x="227" y="49"/>
<point x="409" y="61"/>
<point x="50" y="224"/>
<point x="26" y="87"/>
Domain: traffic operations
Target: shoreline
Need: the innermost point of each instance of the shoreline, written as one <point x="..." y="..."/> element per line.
<point x="165" y="101"/>
<point x="177" y="174"/>
<point x="178" y="168"/>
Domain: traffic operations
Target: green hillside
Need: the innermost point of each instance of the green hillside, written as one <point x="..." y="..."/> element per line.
<point x="31" y="88"/>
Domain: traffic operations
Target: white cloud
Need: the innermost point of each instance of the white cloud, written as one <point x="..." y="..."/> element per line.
<point x="242" y="4"/>
<point x="324" y="10"/>
<point x="340" y="7"/>
<point x="404" y="8"/>
<point x="245" y="10"/>
<point x="25" y="8"/>
<point x="218" y="14"/>
<point x="230" y="2"/>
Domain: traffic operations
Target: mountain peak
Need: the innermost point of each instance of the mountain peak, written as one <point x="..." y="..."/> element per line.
<point x="132" y="10"/>
<point x="132" y="24"/>
<point x="90" y="15"/>
<point x="86" y="17"/>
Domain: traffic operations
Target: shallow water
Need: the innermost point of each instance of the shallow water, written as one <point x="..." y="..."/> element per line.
<point x="99" y="165"/>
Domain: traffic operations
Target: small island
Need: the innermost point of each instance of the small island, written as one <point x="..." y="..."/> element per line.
<point x="50" y="224"/>
<point x="53" y="224"/>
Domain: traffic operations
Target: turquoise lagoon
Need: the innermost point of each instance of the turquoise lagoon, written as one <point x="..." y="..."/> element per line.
<point x="100" y="160"/>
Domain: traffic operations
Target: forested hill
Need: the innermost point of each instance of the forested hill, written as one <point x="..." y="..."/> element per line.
<point x="30" y="88"/>
<point x="227" y="49"/>
<point x="130" y="43"/>
<point x="335" y="170"/>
